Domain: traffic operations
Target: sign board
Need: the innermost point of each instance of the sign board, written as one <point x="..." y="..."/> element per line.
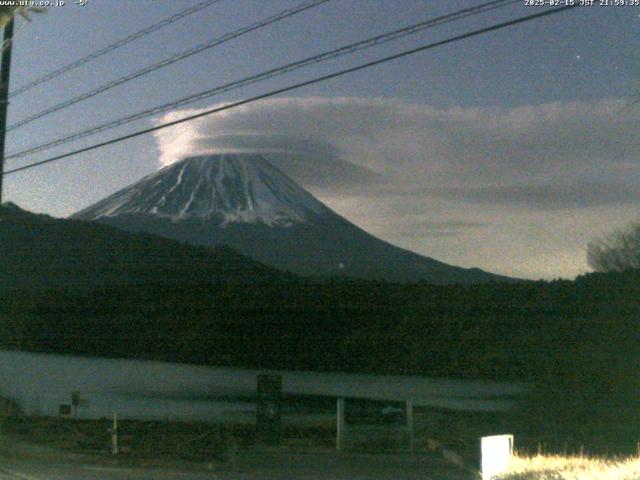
<point x="373" y="424"/>
<point x="374" y="412"/>
<point x="495" y="453"/>
<point x="269" y="409"/>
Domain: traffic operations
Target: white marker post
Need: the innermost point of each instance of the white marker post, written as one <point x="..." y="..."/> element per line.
<point x="495" y="453"/>
<point x="114" y="435"/>
<point x="409" y="416"/>
<point x="340" y="424"/>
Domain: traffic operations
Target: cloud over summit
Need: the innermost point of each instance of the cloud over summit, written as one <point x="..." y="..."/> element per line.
<point x="348" y="142"/>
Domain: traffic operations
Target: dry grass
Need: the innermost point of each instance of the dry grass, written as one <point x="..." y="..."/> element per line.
<point x="571" y="468"/>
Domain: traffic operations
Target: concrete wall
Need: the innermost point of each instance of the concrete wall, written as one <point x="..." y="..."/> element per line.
<point x="39" y="383"/>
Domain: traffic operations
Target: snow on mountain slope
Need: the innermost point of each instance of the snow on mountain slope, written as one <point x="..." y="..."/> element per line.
<point x="224" y="188"/>
<point x="241" y="200"/>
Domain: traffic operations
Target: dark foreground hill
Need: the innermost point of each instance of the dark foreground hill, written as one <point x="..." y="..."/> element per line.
<point x="576" y="341"/>
<point x="37" y="251"/>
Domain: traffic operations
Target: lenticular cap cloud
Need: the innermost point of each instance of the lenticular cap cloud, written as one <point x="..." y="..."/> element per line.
<point x="409" y="146"/>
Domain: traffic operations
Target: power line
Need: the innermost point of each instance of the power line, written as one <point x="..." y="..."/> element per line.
<point x="299" y="85"/>
<point x="114" y="46"/>
<point x="169" y="61"/>
<point x="331" y="54"/>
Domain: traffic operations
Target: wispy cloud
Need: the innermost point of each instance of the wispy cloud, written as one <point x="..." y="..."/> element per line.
<point x="546" y="197"/>
<point x="433" y="229"/>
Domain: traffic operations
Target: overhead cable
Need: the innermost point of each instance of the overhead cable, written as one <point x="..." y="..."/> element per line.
<point x="297" y="86"/>
<point x="331" y="54"/>
<point x="169" y="61"/>
<point x="114" y="46"/>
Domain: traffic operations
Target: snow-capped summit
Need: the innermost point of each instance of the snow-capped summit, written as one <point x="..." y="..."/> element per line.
<point x="223" y="188"/>
<point x="241" y="200"/>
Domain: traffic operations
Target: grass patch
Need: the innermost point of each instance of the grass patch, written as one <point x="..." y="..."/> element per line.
<point x="193" y="441"/>
<point x="555" y="467"/>
<point x="136" y="438"/>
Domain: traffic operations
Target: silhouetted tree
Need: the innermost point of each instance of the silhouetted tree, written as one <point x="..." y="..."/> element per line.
<point x="616" y="252"/>
<point x="9" y="12"/>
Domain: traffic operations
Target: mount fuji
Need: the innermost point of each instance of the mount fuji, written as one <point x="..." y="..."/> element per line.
<point x="243" y="201"/>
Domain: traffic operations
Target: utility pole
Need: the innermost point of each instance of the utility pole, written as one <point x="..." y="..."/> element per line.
<point x="5" y="67"/>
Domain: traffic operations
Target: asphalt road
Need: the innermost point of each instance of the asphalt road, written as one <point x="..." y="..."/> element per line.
<point x="254" y="466"/>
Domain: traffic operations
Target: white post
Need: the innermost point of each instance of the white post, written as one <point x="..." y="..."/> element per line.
<point x="340" y="424"/>
<point x="495" y="455"/>
<point x="409" y="415"/>
<point x="114" y="435"/>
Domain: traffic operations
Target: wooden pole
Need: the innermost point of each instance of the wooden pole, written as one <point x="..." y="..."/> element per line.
<point x="5" y="68"/>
